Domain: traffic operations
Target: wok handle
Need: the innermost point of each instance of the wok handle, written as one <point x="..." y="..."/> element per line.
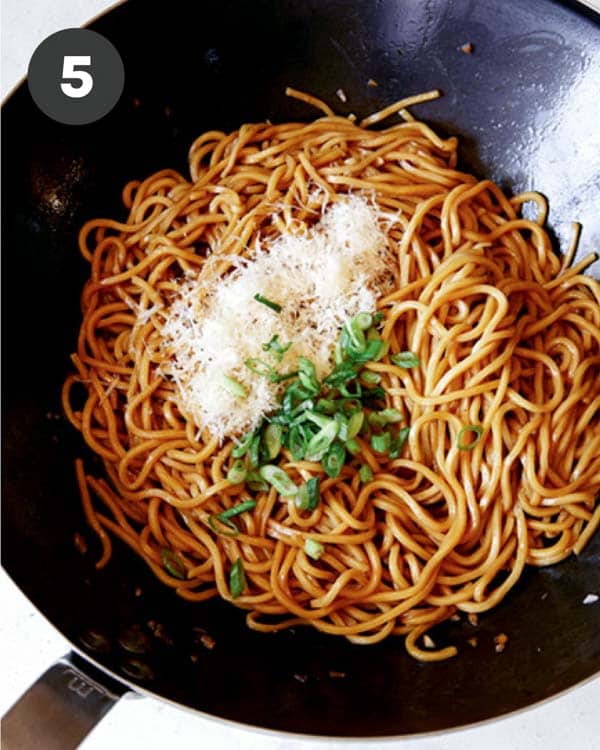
<point x="61" y="707"/>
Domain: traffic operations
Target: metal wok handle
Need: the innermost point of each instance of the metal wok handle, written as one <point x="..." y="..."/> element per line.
<point x="61" y="707"/>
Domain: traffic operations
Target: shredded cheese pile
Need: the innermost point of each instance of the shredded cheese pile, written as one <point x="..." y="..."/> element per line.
<point x="320" y="279"/>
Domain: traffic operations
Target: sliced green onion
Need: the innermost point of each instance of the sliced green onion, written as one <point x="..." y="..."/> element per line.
<point x="383" y="351"/>
<point x="260" y="367"/>
<point x="355" y="422"/>
<point x="326" y="405"/>
<point x="307" y="375"/>
<point x="254" y="452"/>
<point x="398" y="442"/>
<point x="237" y="509"/>
<point x="341" y="374"/>
<point x="381" y="443"/>
<point x="376" y="419"/>
<point x="297" y="441"/>
<point x="370" y="378"/>
<point x="308" y="495"/>
<point x="319" y="444"/>
<point x="356" y="336"/>
<point x="272" y="438"/>
<point x="333" y="461"/>
<point x="391" y="415"/>
<point x="243" y="446"/>
<point x="233" y="386"/>
<point x="225" y="518"/>
<point x="237" y="578"/>
<point x="377" y="318"/>
<point x="343" y="426"/>
<point x="268" y="303"/>
<point x="237" y="472"/>
<point x="319" y="419"/>
<point x="365" y="473"/>
<point x="405" y="359"/>
<point x="353" y="446"/>
<point x="255" y="482"/>
<point x="313" y="548"/>
<point x="477" y="429"/>
<point x="173" y="564"/>
<point x="278" y="479"/>
<point x="364" y="320"/>
<point x="275" y="348"/>
<point x="370" y="352"/>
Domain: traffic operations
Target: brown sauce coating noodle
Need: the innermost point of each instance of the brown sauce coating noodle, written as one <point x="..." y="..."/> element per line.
<point x="507" y="336"/>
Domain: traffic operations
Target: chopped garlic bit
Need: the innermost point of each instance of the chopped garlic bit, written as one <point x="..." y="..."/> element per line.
<point x="372" y="83"/>
<point x="334" y="270"/>
<point x="500" y="642"/>
<point x="341" y="95"/>
<point x="591" y="599"/>
<point x="428" y="641"/>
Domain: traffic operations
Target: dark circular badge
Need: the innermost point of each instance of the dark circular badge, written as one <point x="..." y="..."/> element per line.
<point x="76" y="76"/>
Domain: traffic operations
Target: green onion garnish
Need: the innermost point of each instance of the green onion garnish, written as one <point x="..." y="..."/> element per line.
<point x="173" y="564"/>
<point x="313" y="548"/>
<point x="381" y="443"/>
<point x="237" y="472"/>
<point x="370" y="378"/>
<point x="225" y="518"/>
<point x="477" y="429"/>
<point x="319" y="444"/>
<point x="274" y="348"/>
<point x="405" y="359"/>
<point x="353" y="446"/>
<point x="365" y="473"/>
<point x="272" y="438"/>
<point x="333" y="461"/>
<point x="363" y="320"/>
<point x="260" y="367"/>
<point x="308" y="495"/>
<point x="278" y="479"/>
<point x="268" y="303"/>
<point x="233" y="386"/>
<point x="243" y="446"/>
<point x="237" y="578"/>
<point x="307" y="375"/>
<point x="398" y="441"/>
<point x="355" y="422"/>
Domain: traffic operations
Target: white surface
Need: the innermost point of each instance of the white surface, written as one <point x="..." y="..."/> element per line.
<point x="28" y="644"/>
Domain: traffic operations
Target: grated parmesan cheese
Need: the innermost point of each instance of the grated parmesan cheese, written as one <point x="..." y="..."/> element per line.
<point x="336" y="269"/>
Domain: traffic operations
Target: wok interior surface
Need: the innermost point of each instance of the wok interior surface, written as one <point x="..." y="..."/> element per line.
<point x="526" y="107"/>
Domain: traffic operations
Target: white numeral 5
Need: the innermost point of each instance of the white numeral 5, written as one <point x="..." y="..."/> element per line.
<point x="70" y="72"/>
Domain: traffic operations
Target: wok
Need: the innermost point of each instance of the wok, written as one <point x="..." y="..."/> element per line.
<point x="525" y="104"/>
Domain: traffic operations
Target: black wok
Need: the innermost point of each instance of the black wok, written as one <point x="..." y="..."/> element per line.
<point x="526" y="106"/>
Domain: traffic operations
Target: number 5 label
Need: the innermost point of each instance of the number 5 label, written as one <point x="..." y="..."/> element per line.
<point x="76" y="76"/>
<point x="70" y="72"/>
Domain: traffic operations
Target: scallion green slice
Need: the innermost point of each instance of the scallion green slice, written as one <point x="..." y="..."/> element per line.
<point x="381" y="443"/>
<point x="355" y="422"/>
<point x="364" y="320"/>
<point x="237" y="472"/>
<point x="365" y="473"/>
<point x="225" y="517"/>
<point x="278" y="479"/>
<point x="237" y="578"/>
<point x="308" y="495"/>
<point x="243" y="446"/>
<point x="333" y="461"/>
<point x="313" y="548"/>
<point x="268" y="303"/>
<point x="405" y="360"/>
<point x="319" y="444"/>
<point x="370" y="378"/>
<point x="173" y="564"/>
<point x="272" y="438"/>
<point x="235" y="387"/>
<point x="353" y="446"/>
<point x="477" y="429"/>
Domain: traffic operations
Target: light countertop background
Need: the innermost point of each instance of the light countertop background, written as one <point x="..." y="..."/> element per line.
<point x="28" y="644"/>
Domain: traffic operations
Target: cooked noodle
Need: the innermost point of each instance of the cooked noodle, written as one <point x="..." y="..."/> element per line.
<point x="508" y="338"/>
